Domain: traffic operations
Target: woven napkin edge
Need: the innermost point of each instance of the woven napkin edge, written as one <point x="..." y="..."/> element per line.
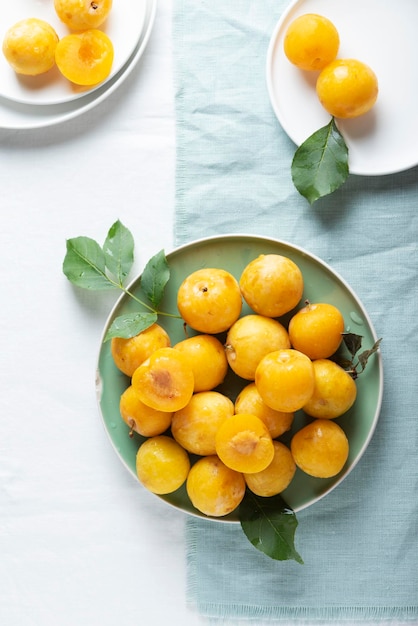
<point x="247" y="613"/>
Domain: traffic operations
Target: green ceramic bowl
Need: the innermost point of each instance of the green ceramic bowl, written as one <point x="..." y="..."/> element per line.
<point x="233" y="253"/>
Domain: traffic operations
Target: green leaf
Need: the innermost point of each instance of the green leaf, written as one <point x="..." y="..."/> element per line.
<point x="131" y="324"/>
<point x="320" y="164"/>
<point x="364" y="356"/>
<point x="155" y="277"/>
<point x="119" y="251"/>
<point x="84" y="264"/>
<point x="270" y="525"/>
<point x="352" y="342"/>
<point x="346" y="364"/>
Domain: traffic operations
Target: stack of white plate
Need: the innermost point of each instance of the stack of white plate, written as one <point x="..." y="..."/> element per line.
<point x="35" y="102"/>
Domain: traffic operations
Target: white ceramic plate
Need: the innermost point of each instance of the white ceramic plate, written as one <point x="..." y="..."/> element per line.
<point x="17" y="116"/>
<point x="124" y="27"/>
<point x="382" y="33"/>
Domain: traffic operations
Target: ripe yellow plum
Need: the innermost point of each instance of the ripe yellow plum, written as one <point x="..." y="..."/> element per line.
<point x="244" y="443"/>
<point x="162" y="465"/>
<point x="271" y="285"/>
<point x="285" y="380"/>
<point x="85" y="58"/>
<point x="213" y="488"/>
<point x="165" y="380"/>
<point x="316" y="330"/>
<point x="334" y="393"/>
<point x="320" y="449"/>
<point x="311" y="42"/>
<point x="207" y="359"/>
<point x="195" y="426"/>
<point x="347" y="88"/>
<point x="83" y="14"/>
<point x="277" y="476"/>
<point x="249" y="339"/>
<point x="250" y="401"/>
<point x="141" y="418"/>
<point x="209" y="300"/>
<point x="128" y="354"/>
<point x="29" y="46"/>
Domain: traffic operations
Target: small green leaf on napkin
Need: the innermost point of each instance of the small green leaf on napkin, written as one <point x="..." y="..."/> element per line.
<point x="320" y="164"/>
<point x="155" y="277"/>
<point x="269" y="524"/>
<point x="85" y="264"/>
<point x="127" y="326"/>
<point x="119" y="251"/>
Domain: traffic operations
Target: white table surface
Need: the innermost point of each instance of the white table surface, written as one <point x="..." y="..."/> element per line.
<point x="80" y="541"/>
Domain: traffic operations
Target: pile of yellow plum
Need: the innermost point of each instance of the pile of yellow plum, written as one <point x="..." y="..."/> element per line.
<point x="84" y="56"/>
<point x="219" y="446"/>
<point x="345" y="87"/>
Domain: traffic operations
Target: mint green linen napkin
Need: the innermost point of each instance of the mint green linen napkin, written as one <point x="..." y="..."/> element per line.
<point x="360" y="543"/>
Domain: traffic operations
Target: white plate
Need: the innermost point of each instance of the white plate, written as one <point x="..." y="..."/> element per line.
<point x="382" y="33"/>
<point x="16" y="116"/>
<point x="124" y="27"/>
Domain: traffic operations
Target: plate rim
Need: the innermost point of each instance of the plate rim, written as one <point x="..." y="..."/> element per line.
<point x="300" y="250"/>
<point x="87" y="101"/>
<point x="272" y="98"/>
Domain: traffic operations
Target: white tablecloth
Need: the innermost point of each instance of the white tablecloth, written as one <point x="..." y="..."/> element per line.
<point x="80" y="541"/>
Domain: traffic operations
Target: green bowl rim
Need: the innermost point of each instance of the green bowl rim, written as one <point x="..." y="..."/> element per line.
<point x="307" y="254"/>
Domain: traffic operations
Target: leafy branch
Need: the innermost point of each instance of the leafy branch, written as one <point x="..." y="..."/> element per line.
<point x="90" y="266"/>
<point x="357" y="364"/>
